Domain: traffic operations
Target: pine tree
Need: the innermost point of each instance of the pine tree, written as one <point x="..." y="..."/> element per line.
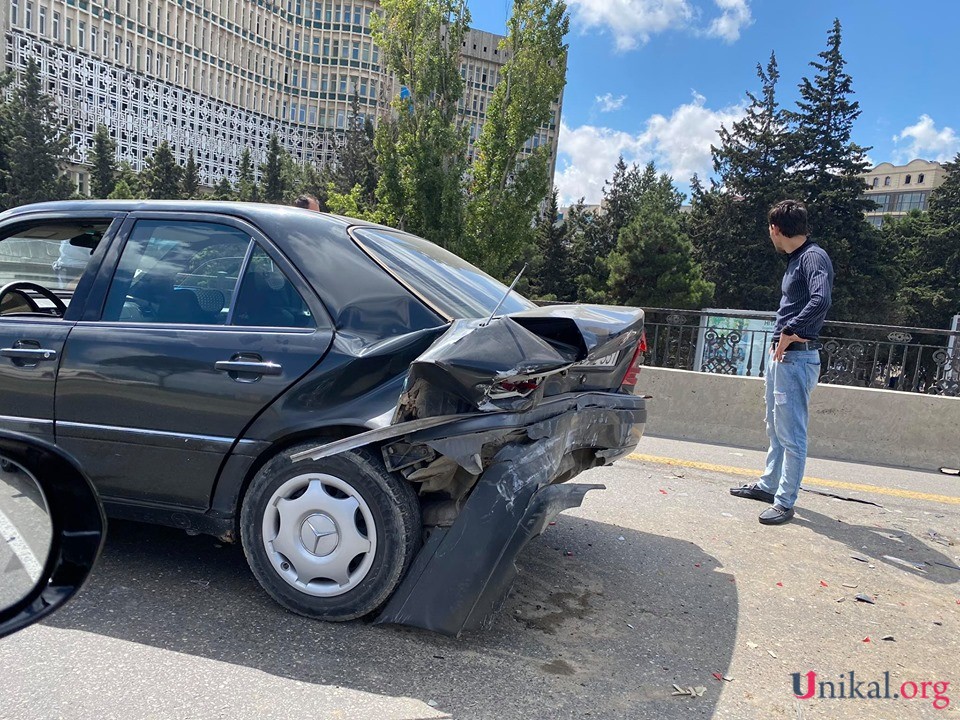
<point x="247" y="190"/>
<point x="121" y="191"/>
<point x="274" y="184"/>
<point x="653" y="263"/>
<point x="929" y="253"/>
<point x="550" y="272"/>
<point x="131" y="181"/>
<point x="223" y="190"/>
<point x="728" y="223"/>
<point x="162" y="175"/>
<point x="35" y="147"/>
<point x="190" y="184"/>
<point x="356" y="164"/>
<point x="103" y="158"/>
<point x="827" y="175"/>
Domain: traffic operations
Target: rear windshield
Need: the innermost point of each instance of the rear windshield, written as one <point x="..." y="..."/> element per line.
<point x="450" y="283"/>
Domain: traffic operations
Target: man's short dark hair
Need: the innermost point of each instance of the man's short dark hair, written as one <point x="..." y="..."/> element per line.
<point x="790" y="216"/>
<point x="304" y="201"/>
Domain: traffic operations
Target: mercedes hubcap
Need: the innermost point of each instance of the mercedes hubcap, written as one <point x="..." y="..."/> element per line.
<point x="319" y="534"/>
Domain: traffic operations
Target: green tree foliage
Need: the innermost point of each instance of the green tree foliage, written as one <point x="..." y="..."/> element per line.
<point x="549" y="274"/>
<point x="122" y="191"/>
<point x="103" y="160"/>
<point x="929" y="254"/>
<point x="508" y="184"/>
<point x="421" y="151"/>
<point x="275" y="181"/>
<point x="827" y="166"/>
<point x="653" y="263"/>
<point x="132" y="186"/>
<point x="162" y="175"/>
<point x="34" y="145"/>
<point x="356" y="162"/>
<point x="190" y="183"/>
<point x="247" y="190"/>
<point x="728" y="223"/>
<point x="224" y="190"/>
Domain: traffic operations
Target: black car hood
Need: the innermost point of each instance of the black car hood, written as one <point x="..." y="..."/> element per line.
<point x="471" y="361"/>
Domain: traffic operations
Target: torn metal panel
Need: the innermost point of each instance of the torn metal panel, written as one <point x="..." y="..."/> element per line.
<point x="463" y="573"/>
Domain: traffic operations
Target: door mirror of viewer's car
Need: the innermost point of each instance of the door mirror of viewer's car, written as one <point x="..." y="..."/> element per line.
<point x="52" y="528"/>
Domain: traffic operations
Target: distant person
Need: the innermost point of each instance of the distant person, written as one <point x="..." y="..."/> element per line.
<point x="794" y="368"/>
<point x="307" y="202"/>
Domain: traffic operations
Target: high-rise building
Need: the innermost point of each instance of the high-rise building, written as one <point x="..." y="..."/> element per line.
<point x="898" y="189"/>
<point x="219" y="76"/>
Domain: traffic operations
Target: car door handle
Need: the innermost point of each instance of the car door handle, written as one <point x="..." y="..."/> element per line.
<point x="35" y="354"/>
<point x="249" y="366"/>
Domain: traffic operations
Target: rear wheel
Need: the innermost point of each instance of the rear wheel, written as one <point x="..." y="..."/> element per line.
<point x="331" y="538"/>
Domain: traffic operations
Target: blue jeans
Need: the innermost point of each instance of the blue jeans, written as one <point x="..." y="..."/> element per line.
<point x="788" y="385"/>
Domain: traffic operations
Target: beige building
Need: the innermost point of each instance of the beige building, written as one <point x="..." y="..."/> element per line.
<point x="898" y="189"/>
<point x="219" y="76"/>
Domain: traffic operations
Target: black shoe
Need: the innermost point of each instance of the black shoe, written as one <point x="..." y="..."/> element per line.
<point x="776" y="515"/>
<point x="753" y="492"/>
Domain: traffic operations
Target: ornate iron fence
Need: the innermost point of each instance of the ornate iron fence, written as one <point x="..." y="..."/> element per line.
<point x="921" y="360"/>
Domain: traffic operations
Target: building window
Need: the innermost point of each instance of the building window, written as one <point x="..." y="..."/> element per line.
<point x="886" y="181"/>
<point x="14" y="11"/>
<point x="906" y="180"/>
<point x="81" y="34"/>
<point x="29" y="16"/>
<point x="69" y="37"/>
<point x="56" y="26"/>
<point x="920" y="179"/>
<point x="43" y="20"/>
<point x="93" y="39"/>
<point x="876" y="182"/>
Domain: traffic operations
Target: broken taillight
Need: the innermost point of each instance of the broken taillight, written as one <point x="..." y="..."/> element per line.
<point x="515" y="388"/>
<point x="636" y="362"/>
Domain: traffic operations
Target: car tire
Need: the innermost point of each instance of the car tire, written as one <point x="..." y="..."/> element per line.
<point x="329" y="539"/>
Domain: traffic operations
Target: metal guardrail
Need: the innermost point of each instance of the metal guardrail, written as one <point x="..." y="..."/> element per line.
<point x="907" y="359"/>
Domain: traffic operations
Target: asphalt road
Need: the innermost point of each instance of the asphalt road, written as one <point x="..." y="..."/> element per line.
<point x="670" y="580"/>
<point x="25" y="534"/>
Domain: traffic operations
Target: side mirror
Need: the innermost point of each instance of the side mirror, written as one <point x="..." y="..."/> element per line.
<point x="52" y="528"/>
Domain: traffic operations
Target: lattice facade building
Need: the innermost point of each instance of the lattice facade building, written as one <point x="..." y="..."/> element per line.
<point x="215" y="76"/>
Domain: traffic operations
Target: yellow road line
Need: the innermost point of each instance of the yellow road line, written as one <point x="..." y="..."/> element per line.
<point x="837" y="484"/>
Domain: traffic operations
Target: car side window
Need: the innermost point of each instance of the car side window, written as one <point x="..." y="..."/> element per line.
<point x="177" y="272"/>
<point x="51" y="254"/>
<point x="268" y="299"/>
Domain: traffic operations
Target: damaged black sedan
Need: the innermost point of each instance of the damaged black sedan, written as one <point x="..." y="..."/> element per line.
<point x="382" y="425"/>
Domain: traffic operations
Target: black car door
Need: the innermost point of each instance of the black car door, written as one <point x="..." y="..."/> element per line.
<point x="43" y="258"/>
<point x="204" y="324"/>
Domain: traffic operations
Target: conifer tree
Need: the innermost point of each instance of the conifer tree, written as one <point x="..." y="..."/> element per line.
<point x="190" y="184"/>
<point x="35" y="145"/>
<point x="103" y="159"/>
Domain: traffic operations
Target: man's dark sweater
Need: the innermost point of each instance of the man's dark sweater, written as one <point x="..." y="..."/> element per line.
<point x="807" y="287"/>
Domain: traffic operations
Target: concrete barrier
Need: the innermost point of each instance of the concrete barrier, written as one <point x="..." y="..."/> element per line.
<point x="882" y="427"/>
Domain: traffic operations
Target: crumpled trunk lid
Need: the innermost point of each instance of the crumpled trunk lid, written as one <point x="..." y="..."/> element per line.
<point x="514" y="361"/>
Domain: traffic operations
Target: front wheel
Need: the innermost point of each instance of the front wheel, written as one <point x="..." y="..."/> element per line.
<point x="330" y="538"/>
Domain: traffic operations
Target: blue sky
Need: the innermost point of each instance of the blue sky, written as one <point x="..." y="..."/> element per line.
<point x="653" y="79"/>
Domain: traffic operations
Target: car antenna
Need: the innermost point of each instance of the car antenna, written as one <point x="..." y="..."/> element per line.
<point x="505" y="296"/>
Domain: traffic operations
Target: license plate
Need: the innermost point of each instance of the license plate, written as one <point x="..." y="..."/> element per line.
<point x="604" y="362"/>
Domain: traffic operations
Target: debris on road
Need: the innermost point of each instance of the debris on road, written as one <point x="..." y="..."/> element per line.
<point x="938" y="538"/>
<point x="888" y="638"/>
<point x="432" y="703"/>
<point x="860" y="558"/>
<point x="752" y="645"/>
<point x="630" y="626"/>
<point x="950" y="471"/>
<point x="852" y="586"/>
<point x="905" y="563"/>
<point x="866" y="639"/>
<point x="662" y="491"/>
<point x="772" y="654"/>
<point x="841" y="599"/>
<point x="689" y="691"/>
<point x="823" y="584"/>
<point x="621" y="538"/>
<point x="861" y="597"/>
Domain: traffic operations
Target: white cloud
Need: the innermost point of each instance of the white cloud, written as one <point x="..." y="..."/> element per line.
<point x="678" y="144"/>
<point x="926" y="142"/>
<point x="634" y="22"/>
<point x="609" y="103"/>
<point x="736" y="16"/>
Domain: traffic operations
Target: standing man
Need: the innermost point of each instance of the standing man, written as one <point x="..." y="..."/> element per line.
<point x="794" y="361"/>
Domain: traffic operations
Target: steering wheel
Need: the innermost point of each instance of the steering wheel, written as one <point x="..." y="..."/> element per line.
<point x="58" y="304"/>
